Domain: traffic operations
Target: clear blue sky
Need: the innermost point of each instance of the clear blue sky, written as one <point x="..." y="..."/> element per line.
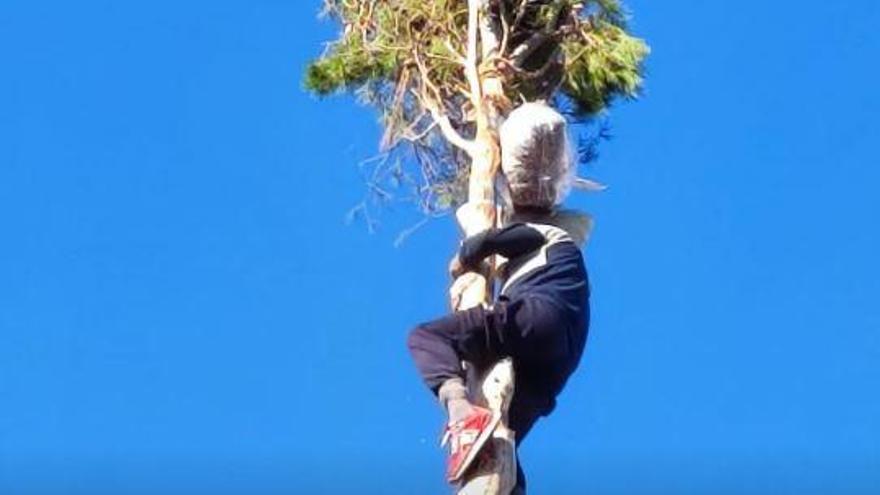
<point x="184" y="309"/>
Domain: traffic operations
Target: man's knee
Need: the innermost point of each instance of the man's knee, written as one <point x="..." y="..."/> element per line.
<point x="417" y="337"/>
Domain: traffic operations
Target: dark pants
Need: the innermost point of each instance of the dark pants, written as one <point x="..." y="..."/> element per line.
<point x="544" y="339"/>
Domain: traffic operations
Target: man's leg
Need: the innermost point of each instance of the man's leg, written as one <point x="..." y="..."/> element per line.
<point x="532" y="331"/>
<point x="528" y="405"/>
<point x="553" y="344"/>
<point x="535" y="332"/>
<point x="436" y="346"/>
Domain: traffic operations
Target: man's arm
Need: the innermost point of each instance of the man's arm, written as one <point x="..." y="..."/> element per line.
<point x="510" y="242"/>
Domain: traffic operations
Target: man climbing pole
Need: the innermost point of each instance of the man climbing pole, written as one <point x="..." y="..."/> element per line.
<point x="541" y="316"/>
<point x="445" y="75"/>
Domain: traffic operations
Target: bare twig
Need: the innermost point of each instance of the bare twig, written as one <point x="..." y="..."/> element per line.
<point x="471" y="69"/>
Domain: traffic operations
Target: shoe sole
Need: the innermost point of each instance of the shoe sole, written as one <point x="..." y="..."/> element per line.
<point x="478" y="446"/>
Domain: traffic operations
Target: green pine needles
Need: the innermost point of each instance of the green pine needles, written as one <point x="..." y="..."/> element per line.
<point x="408" y="58"/>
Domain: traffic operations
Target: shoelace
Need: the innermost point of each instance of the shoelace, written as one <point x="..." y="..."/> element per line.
<point x="459" y="436"/>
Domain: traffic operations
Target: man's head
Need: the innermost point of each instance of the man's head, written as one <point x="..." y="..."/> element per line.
<point x="536" y="156"/>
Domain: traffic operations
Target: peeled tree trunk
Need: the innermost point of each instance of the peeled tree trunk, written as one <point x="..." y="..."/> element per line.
<point x="495" y="472"/>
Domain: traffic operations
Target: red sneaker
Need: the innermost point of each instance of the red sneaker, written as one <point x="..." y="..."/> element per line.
<point x="465" y="438"/>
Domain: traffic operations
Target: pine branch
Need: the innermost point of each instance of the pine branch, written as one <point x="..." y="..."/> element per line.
<point x="412" y="59"/>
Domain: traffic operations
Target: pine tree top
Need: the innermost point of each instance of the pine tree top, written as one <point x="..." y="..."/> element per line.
<point x="406" y="57"/>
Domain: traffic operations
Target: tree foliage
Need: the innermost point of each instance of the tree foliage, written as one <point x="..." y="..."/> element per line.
<point x="408" y="59"/>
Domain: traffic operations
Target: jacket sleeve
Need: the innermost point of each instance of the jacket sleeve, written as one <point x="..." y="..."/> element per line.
<point x="510" y="242"/>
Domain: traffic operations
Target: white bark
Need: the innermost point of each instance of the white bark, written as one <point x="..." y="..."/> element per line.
<point x="496" y="474"/>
